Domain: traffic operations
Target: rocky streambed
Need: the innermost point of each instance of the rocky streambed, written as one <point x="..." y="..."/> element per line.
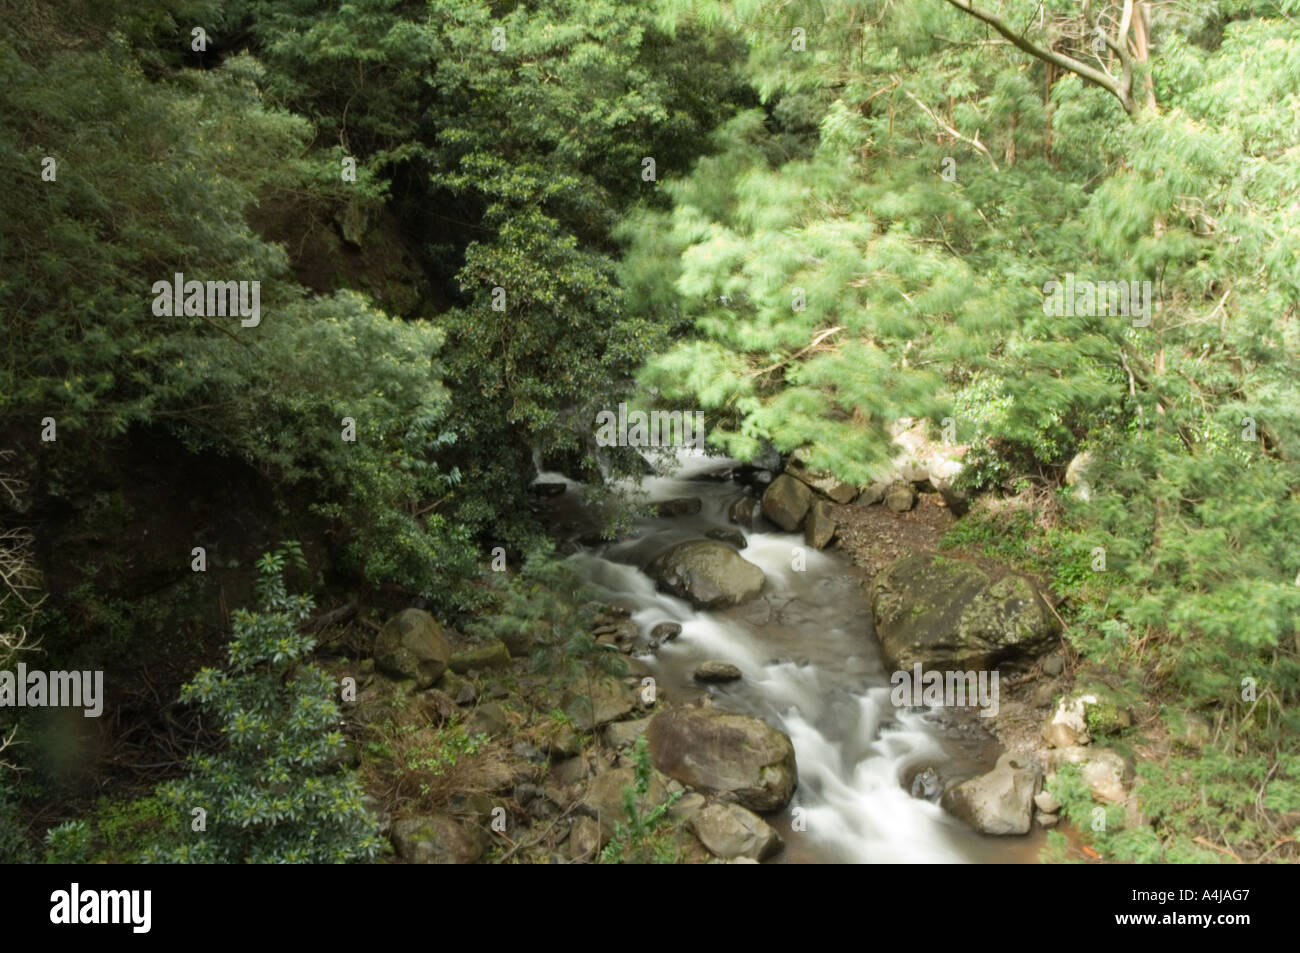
<point x="763" y="619"/>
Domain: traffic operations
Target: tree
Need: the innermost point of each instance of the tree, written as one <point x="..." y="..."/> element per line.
<point x="275" y="791"/>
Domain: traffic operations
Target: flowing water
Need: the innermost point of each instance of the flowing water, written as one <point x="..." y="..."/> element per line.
<point x="811" y="666"/>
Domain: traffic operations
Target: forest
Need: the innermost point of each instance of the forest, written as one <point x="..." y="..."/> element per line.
<point x="676" y="431"/>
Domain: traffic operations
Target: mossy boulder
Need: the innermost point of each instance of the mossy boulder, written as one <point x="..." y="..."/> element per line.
<point x="485" y="655"/>
<point x="411" y="646"/>
<point x="953" y="614"/>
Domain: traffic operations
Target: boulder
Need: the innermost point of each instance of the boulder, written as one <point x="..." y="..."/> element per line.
<point x="952" y="614"/>
<point x="411" y="645"/>
<point x="786" y="502"/>
<point x="1107" y="773"/>
<point x="488" y="719"/>
<point x="665" y="631"/>
<point x="707" y="573"/>
<point x="716" y="672"/>
<point x="731" y="537"/>
<point x="686" y="506"/>
<point x="623" y="733"/>
<point x="1046" y="802"/>
<point x="585" y="839"/>
<point x="819" y="528"/>
<point x="743" y="511"/>
<point x="598" y="701"/>
<point x="872" y="494"/>
<point x="436" y="839"/>
<point x="728" y="831"/>
<point x="820" y="480"/>
<point x="1081" y="714"/>
<point x="736" y="757"/>
<point x="603" y="799"/>
<point x="900" y="497"/>
<point x="999" y="802"/>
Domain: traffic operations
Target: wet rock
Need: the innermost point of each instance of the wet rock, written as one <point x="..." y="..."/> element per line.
<point x="436" y="839"/>
<point x="1053" y="664"/>
<point x="738" y="757"/>
<point x="716" y="672"/>
<point x="411" y="646"/>
<point x="999" y="802"/>
<point x="743" y="511"/>
<point x="729" y="536"/>
<point x="1047" y="820"/>
<point x="730" y="831"/>
<point x="900" y="497"/>
<point x="786" y="502"/>
<point x="819" y="528"/>
<point x="685" y="506"/>
<point x="952" y="614"/>
<point x="709" y="574"/>
<point x="666" y="631"/>
<point x="924" y="783"/>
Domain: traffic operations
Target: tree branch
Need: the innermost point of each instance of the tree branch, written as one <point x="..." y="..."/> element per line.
<point x="1068" y="63"/>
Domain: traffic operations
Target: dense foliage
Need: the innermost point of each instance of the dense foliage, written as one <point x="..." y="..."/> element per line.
<point x="475" y="225"/>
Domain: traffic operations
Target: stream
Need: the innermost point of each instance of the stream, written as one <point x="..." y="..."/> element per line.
<point x="811" y="667"/>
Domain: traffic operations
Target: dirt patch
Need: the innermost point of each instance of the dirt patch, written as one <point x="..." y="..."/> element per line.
<point x="874" y="536"/>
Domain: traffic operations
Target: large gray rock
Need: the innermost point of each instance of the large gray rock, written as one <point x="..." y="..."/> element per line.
<point x="598" y="701"/>
<point x="710" y="574"/>
<point x="736" y="757"/>
<point x="437" y="839"/>
<point x="1000" y="802"/>
<point x="952" y="614"/>
<point x="411" y="645"/>
<point x="786" y="502"/>
<point x="819" y="528"/>
<point x="728" y="831"/>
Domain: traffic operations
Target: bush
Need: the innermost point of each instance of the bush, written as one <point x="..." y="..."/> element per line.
<point x="275" y="792"/>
